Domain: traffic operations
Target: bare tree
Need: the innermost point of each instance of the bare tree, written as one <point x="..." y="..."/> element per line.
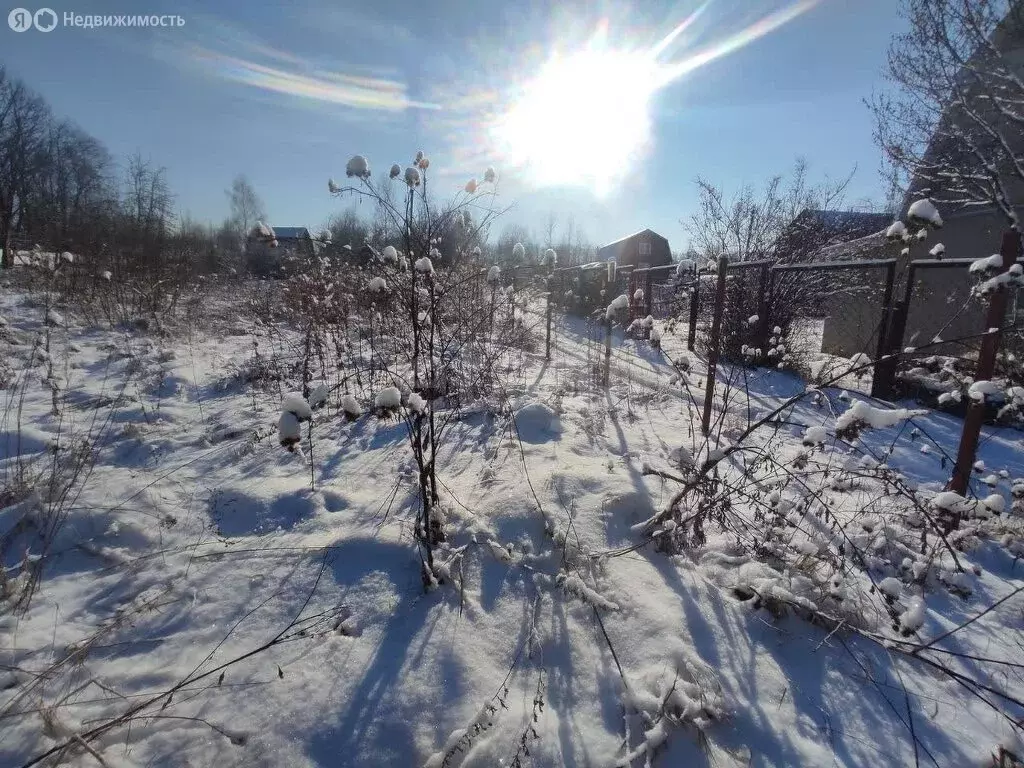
<point x="246" y="207"/>
<point x="750" y="225"/>
<point x="24" y="118"/>
<point x="953" y="128"/>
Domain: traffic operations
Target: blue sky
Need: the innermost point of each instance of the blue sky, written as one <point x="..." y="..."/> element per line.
<point x="429" y="75"/>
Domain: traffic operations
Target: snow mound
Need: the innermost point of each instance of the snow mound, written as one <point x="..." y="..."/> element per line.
<point x="537" y="423"/>
<point x="389" y="397"/>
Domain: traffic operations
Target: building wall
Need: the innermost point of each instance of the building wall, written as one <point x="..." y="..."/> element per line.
<point x="941" y="301"/>
<point x="627" y="252"/>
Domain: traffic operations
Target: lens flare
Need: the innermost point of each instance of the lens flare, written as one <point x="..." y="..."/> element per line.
<point x="584" y="119"/>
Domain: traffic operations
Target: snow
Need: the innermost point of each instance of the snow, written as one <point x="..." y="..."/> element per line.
<point x="753" y="320"/>
<point x="199" y="538"/>
<point x="550" y="257"/>
<point x="890" y="587"/>
<point x="876" y="418"/>
<point x="638" y="294"/>
<point x="357" y="166"/>
<point x="815" y="435"/>
<point x="377" y="285"/>
<point x="318" y="396"/>
<point x="296" y="404"/>
<point x="289" y="430"/>
<point x="424" y="265"/>
<point x="494" y="274"/>
<point x="351" y="406"/>
<point x="53" y="317"/>
<point x="949" y="501"/>
<point x="988" y="264"/>
<point x="924" y="210"/>
<point x="979" y="390"/>
<point x="389" y="397"/>
<point x="896" y="230"/>
<point x="518" y="252"/>
<point x="537" y="422"/>
<point x="995" y="502"/>
<point x="106" y="275"/>
<point x="912" y="619"/>
<point x="619" y="304"/>
<point x="937" y="251"/>
<point x="389" y="254"/>
<point x="416" y="403"/>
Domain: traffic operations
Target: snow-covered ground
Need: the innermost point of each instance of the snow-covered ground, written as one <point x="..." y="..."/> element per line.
<point x="213" y="599"/>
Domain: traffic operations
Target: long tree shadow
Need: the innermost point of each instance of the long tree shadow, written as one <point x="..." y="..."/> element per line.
<point x="375" y="724"/>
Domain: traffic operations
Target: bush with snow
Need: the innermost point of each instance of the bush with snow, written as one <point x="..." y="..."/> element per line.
<point x="494" y="275"/>
<point x="389" y="398"/>
<point x="350" y="407"/>
<point x="294" y="411"/>
<point x="619" y="304"/>
<point x="861" y="416"/>
<point x="416" y="404"/>
<point x="424" y="265"/>
<point x="358" y="167"/>
<point x="896" y="231"/>
<point x="924" y="212"/>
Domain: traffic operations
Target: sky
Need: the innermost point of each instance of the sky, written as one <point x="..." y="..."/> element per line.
<point x="729" y="90"/>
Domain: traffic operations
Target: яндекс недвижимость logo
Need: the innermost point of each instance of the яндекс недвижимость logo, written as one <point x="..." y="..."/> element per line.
<point x="22" y="19"/>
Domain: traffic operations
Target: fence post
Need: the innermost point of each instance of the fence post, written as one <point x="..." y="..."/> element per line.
<point x="607" y="350"/>
<point x="716" y="332"/>
<point x="512" y="300"/>
<point x="1010" y="250"/>
<point x="648" y="286"/>
<point x="883" y="380"/>
<point x="494" y="299"/>
<point x="764" y="291"/>
<point x="547" y="343"/>
<point x="691" y="335"/>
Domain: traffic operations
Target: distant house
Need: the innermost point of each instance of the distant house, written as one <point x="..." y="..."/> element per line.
<point x="815" y="230"/>
<point x="294" y="241"/>
<point x="645" y="248"/>
<point x="267" y="257"/>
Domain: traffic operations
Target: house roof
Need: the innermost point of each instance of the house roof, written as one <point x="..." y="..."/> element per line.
<point x="851" y="224"/>
<point x="291" y="233"/>
<point x="630" y="237"/>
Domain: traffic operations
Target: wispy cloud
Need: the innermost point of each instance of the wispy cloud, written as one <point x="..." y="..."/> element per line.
<point x="226" y="52"/>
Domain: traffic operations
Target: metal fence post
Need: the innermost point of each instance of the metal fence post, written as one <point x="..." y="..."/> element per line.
<point x="607" y="350"/>
<point x="547" y="344"/>
<point x="716" y="333"/>
<point x="764" y="291"/>
<point x="648" y="285"/>
<point x="883" y="380"/>
<point x="1010" y="250"/>
<point x="691" y="336"/>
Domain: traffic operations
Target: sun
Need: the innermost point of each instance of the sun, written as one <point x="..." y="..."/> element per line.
<point x="583" y="120"/>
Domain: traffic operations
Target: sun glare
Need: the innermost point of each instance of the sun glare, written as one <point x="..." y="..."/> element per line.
<point x="582" y="120"/>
